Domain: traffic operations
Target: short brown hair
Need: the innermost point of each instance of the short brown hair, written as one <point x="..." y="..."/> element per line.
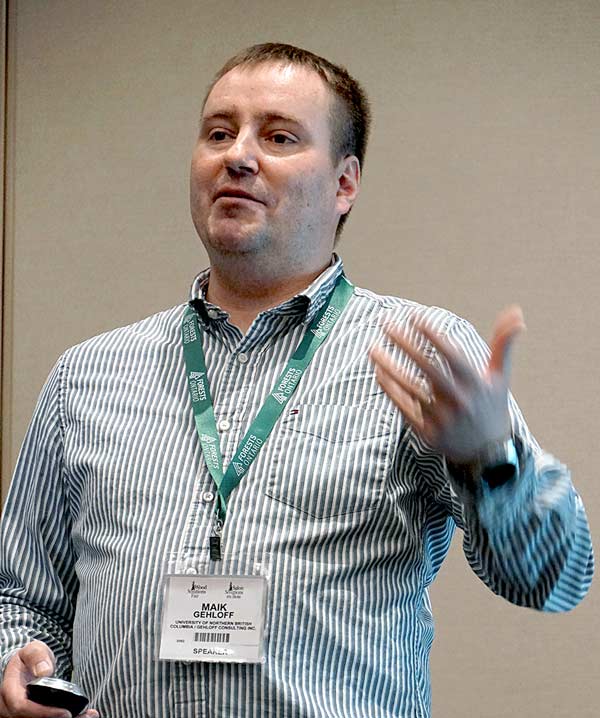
<point x="351" y="113"/>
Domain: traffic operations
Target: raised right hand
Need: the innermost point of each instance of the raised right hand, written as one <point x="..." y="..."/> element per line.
<point x="32" y="661"/>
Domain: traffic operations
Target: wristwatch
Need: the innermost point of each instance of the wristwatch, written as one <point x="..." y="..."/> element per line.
<point x="496" y="464"/>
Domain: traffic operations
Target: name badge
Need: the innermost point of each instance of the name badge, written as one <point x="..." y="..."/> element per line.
<point x="213" y="618"/>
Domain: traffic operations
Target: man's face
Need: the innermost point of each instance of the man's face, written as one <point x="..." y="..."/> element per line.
<point x="262" y="176"/>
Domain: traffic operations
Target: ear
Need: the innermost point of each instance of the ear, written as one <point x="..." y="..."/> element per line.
<point x="348" y="174"/>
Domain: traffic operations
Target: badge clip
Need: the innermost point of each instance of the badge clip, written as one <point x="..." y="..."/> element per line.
<point x="214" y="542"/>
<point x="214" y="545"/>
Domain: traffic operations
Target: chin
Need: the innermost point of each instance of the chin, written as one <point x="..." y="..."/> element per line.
<point x="237" y="242"/>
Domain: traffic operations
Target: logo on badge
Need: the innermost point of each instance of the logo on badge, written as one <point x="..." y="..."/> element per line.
<point x="197" y="589"/>
<point x="234" y="591"/>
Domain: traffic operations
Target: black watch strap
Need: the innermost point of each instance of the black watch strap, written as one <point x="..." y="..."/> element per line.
<point x="496" y="465"/>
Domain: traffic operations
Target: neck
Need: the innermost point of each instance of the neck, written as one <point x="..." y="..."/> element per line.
<point x="245" y="297"/>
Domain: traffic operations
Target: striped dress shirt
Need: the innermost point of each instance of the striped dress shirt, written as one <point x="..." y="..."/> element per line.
<point x="354" y="512"/>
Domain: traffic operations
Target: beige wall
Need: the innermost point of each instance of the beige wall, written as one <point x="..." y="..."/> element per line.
<point x="481" y="188"/>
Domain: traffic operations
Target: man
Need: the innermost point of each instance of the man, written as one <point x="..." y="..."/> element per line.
<point x="349" y="495"/>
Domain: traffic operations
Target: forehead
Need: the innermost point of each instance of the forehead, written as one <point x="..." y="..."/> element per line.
<point x="272" y="89"/>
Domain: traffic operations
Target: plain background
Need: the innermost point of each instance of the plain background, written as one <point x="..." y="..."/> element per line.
<point x="481" y="188"/>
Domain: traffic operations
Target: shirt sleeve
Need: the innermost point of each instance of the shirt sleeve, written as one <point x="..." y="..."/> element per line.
<point x="528" y="539"/>
<point x="38" y="584"/>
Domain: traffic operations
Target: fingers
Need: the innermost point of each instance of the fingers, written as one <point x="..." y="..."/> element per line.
<point x="444" y="388"/>
<point x="417" y="405"/>
<point x="34" y="660"/>
<point x="38" y="659"/>
<point x="389" y="370"/>
<point x="459" y="367"/>
<point x="36" y="656"/>
<point x="461" y="410"/>
<point x="509" y="324"/>
<point x="406" y="395"/>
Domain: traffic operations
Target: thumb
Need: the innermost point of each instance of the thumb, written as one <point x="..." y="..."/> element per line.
<point x="38" y="659"/>
<point x="509" y="324"/>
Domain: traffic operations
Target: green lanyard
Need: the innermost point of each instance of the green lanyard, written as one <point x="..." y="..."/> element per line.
<point x="271" y="410"/>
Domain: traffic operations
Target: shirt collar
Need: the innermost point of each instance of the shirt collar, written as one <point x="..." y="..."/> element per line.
<point x="305" y="305"/>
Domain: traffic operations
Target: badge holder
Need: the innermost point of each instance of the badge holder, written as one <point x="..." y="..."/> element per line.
<point x="213" y="611"/>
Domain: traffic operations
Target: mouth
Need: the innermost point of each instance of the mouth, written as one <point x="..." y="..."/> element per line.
<point x="236" y="194"/>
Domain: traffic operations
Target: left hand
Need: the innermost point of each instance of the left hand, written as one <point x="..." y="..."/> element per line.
<point x="458" y="414"/>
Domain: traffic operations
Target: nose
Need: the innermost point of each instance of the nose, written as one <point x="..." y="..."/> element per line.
<point x="241" y="157"/>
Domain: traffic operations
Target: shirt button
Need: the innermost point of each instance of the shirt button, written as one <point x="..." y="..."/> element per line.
<point x="242" y="358"/>
<point x="208" y="497"/>
<point x="213" y="313"/>
<point x="224" y="425"/>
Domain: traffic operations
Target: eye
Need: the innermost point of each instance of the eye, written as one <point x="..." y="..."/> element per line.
<point x="281" y="138"/>
<point x="218" y="135"/>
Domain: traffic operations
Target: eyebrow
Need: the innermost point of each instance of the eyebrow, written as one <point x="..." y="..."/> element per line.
<point x="263" y="117"/>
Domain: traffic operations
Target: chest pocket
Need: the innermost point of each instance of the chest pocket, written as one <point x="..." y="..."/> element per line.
<point x="331" y="460"/>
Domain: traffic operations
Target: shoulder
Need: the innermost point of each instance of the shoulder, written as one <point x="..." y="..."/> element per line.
<point x="159" y="332"/>
<point x="399" y="309"/>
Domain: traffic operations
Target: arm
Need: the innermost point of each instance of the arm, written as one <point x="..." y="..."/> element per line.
<point x="527" y="539"/>
<point x="38" y="585"/>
